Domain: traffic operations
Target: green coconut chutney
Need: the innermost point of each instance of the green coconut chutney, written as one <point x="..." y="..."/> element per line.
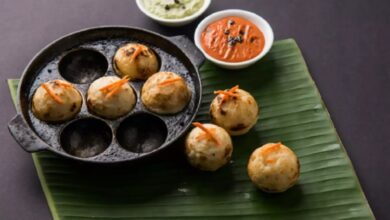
<point x="173" y="9"/>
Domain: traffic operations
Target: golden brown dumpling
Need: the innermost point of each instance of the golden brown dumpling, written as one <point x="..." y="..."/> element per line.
<point x="56" y="101"/>
<point x="165" y="93"/>
<point x="208" y="147"/>
<point x="136" y="61"/>
<point x="273" y="168"/>
<point x="235" y="110"/>
<point x="110" y="97"/>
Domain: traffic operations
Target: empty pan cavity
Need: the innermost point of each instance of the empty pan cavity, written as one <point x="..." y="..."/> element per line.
<point x="83" y="65"/>
<point x="86" y="137"/>
<point x="142" y="133"/>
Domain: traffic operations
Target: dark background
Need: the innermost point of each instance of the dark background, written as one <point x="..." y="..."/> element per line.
<point x="345" y="43"/>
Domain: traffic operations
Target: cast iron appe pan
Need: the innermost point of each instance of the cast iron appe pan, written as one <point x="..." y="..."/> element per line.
<point x="176" y="53"/>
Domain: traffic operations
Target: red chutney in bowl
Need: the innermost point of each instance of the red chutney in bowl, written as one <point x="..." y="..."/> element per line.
<point x="232" y="39"/>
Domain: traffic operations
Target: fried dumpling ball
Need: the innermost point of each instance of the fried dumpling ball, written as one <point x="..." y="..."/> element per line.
<point x="273" y="168"/>
<point x="56" y="101"/>
<point x="136" y="61"/>
<point x="165" y="93"/>
<point x="235" y="110"/>
<point x="208" y="147"/>
<point x="111" y="97"/>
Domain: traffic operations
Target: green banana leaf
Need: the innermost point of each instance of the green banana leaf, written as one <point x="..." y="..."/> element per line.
<point x="166" y="187"/>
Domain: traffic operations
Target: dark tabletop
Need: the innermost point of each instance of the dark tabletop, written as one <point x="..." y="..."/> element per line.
<point x="345" y="43"/>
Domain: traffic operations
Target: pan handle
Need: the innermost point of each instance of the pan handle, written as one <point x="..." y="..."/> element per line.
<point x="25" y="137"/>
<point x="189" y="49"/>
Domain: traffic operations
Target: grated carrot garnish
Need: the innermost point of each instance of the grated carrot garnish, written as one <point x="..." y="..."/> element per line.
<point x="114" y="91"/>
<point x="207" y="131"/>
<point x="114" y="84"/>
<point x="64" y="84"/>
<point x="205" y="135"/>
<point x="137" y="51"/>
<point x="227" y="94"/>
<point x="234" y="88"/>
<point x="272" y="148"/>
<point x="269" y="150"/>
<point x="169" y="81"/>
<point x="49" y="91"/>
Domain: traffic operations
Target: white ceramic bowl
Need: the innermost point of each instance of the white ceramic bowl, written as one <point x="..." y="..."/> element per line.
<point x="174" y="22"/>
<point x="260" y="22"/>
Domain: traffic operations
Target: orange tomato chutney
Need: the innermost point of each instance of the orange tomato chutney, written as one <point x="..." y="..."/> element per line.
<point x="232" y="39"/>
